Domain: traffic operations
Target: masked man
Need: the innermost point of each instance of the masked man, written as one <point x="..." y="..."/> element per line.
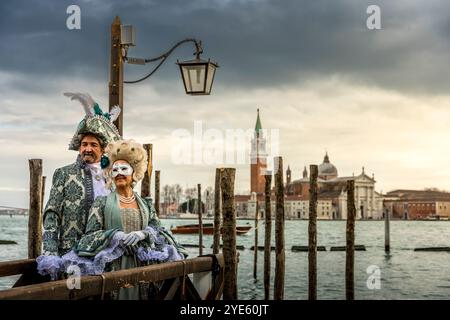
<point x="75" y="186"/>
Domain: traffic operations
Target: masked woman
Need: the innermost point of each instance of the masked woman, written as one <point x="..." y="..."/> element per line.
<point x="123" y="230"/>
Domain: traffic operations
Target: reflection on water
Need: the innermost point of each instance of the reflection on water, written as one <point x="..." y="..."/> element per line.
<point x="405" y="274"/>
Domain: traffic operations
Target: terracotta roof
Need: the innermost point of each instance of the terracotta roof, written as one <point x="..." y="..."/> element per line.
<point x="424" y="195"/>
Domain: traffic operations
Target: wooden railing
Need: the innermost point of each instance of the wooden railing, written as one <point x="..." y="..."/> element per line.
<point x="177" y="284"/>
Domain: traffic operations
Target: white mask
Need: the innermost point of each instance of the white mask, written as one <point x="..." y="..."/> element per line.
<point x="123" y="169"/>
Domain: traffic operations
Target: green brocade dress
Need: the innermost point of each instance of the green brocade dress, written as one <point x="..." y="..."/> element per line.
<point x="105" y="219"/>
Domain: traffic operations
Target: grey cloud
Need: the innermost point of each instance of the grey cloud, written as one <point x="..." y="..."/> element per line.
<point x="257" y="43"/>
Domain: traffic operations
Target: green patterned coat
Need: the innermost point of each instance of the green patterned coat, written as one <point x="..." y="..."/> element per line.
<point x="67" y="209"/>
<point x="105" y="220"/>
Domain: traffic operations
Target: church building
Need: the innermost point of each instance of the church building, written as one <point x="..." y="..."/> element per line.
<point x="332" y="195"/>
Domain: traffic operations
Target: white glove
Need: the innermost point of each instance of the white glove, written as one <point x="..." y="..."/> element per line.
<point x="133" y="238"/>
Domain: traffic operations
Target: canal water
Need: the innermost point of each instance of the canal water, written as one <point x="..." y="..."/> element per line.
<point x="402" y="274"/>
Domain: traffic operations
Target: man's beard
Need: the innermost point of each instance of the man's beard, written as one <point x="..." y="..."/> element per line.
<point x="88" y="157"/>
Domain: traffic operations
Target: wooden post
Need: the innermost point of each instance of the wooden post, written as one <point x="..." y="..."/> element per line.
<point x="229" y="234"/>
<point x="200" y="220"/>
<point x="267" y="238"/>
<point x="255" y="252"/>
<point x="387" y="242"/>
<point x="43" y="194"/>
<point x="116" y="73"/>
<point x="146" y="181"/>
<point x="217" y="213"/>
<point x="350" y="253"/>
<point x="312" y="232"/>
<point x="157" y="195"/>
<point x="279" y="231"/>
<point x="34" y="213"/>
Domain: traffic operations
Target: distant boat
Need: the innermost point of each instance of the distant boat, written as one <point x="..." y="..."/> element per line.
<point x="208" y="228"/>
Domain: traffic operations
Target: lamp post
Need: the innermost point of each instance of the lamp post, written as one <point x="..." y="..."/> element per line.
<point x="197" y="74"/>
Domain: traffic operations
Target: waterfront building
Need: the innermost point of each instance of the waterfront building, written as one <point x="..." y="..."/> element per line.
<point x="332" y="195"/>
<point x="417" y="204"/>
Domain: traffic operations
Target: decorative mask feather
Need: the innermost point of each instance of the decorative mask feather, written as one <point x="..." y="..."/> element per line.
<point x="91" y="108"/>
<point x="85" y="99"/>
<point x="96" y="122"/>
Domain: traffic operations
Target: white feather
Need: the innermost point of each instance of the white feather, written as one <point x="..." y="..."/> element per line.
<point x="115" y="111"/>
<point x="85" y="99"/>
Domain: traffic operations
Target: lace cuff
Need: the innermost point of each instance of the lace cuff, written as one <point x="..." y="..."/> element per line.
<point x="49" y="265"/>
<point x="96" y="266"/>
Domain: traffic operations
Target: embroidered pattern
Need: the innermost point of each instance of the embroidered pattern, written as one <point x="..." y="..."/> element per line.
<point x="66" y="211"/>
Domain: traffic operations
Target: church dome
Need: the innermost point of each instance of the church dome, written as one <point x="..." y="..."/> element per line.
<point x="326" y="169"/>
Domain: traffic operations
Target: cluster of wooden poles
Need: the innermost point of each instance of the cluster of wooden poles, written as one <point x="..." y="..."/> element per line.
<point x="225" y="205"/>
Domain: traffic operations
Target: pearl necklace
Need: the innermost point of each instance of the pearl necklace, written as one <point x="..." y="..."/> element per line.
<point x="127" y="200"/>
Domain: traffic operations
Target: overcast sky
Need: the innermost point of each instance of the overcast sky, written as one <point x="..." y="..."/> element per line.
<point x="372" y="98"/>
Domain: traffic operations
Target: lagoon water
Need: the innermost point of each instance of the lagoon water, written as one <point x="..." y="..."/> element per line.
<point x="405" y="274"/>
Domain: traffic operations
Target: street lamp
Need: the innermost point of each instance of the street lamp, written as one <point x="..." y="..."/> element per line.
<point x="197" y="74"/>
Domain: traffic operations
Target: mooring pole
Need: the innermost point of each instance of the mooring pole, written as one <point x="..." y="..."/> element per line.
<point x="200" y="220"/>
<point x="34" y="213"/>
<point x="145" y="188"/>
<point x="157" y="194"/>
<point x="43" y="194"/>
<point x="312" y="232"/>
<point x="350" y="235"/>
<point x="229" y="234"/>
<point x="255" y="252"/>
<point x="387" y="241"/>
<point x="279" y="231"/>
<point x="267" y="235"/>
<point x="217" y="213"/>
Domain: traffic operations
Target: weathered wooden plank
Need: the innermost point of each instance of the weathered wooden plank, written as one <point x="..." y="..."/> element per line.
<point x="190" y="245"/>
<point x="435" y="249"/>
<point x="7" y="242"/>
<point x="306" y="248"/>
<point x="238" y="247"/>
<point x="92" y="285"/>
<point x="356" y="247"/>
<point x="11" y="268"/>
<point x="272" y="248"/>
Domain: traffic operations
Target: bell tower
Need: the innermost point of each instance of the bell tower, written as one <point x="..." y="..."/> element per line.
<point x="288" y="175"/>
<point x="258" y="156"/>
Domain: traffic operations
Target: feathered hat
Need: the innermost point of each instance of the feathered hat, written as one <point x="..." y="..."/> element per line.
<point x="95" y="122"/>
<point x="130" y="151"/>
